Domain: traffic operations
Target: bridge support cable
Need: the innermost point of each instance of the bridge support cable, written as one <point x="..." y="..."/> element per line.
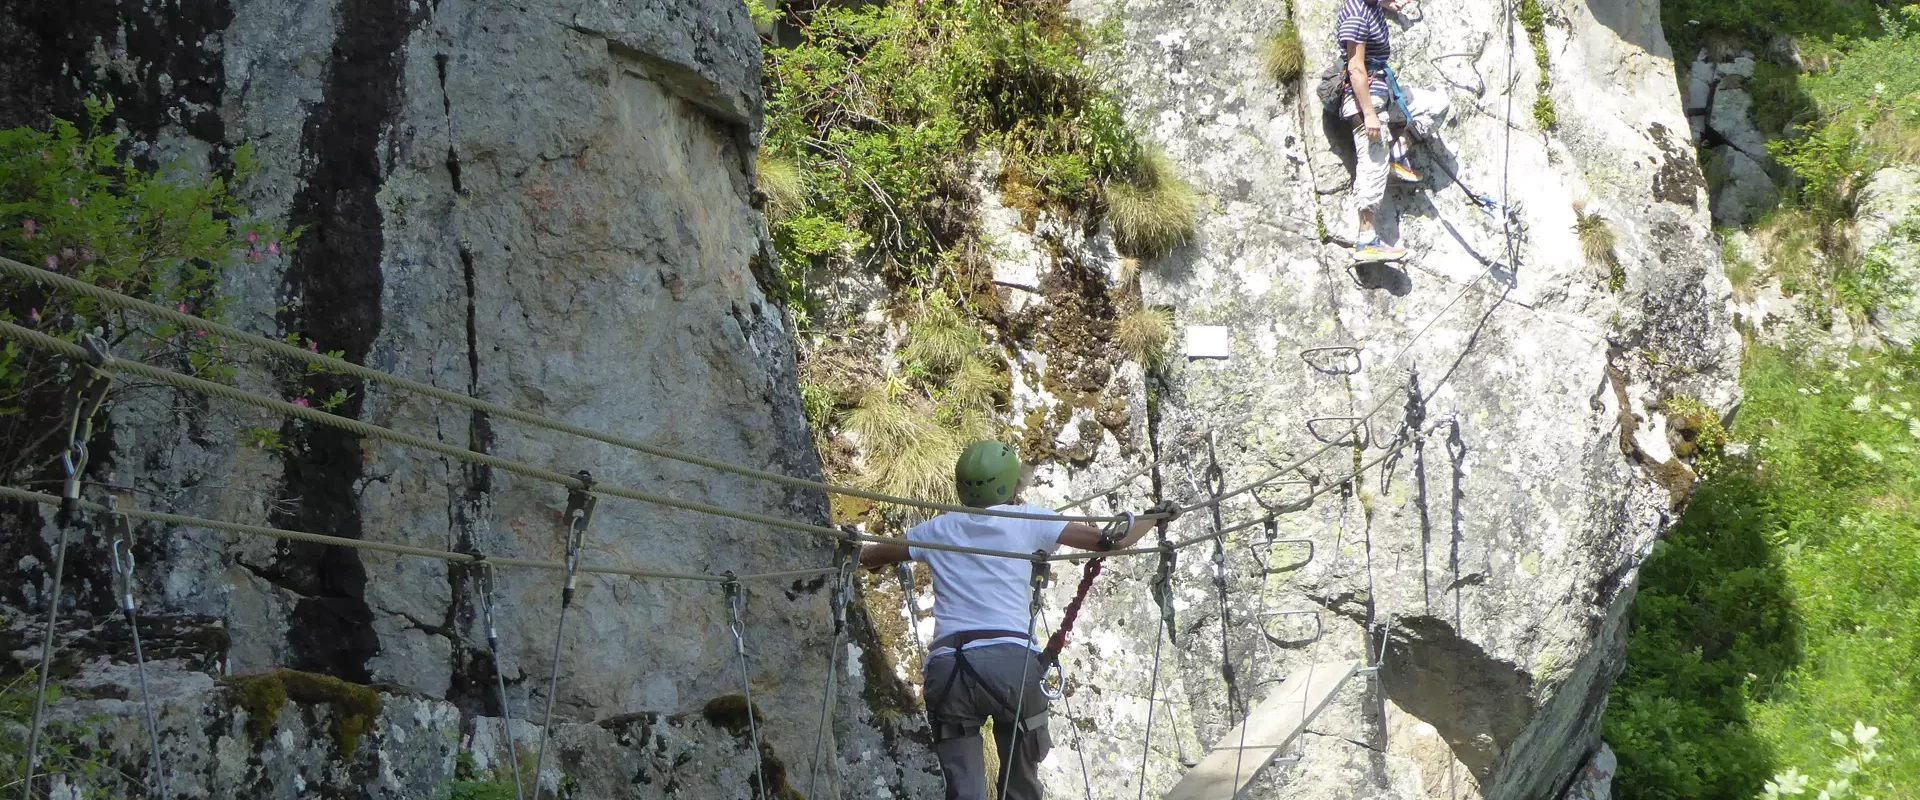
<point x="89" y="392"/>
<point x="580" y="503"/>
<point x="124" y="582"/>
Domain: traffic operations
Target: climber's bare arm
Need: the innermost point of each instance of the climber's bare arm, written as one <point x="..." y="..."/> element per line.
<point x="1081" y="536"/>
<point x="1362" y="84"/>
<point x="876" y="554"/>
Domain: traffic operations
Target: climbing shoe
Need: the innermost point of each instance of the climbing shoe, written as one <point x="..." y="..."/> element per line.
<point x="1373" y="249"/>
<point x="1405" y="173"/>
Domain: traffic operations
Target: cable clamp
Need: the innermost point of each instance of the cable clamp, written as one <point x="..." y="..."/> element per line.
<point x="580" y="504"/>
<point x="736" y="611"/>
<point x="1116" y="531"/>
<point x="121" y="548"/>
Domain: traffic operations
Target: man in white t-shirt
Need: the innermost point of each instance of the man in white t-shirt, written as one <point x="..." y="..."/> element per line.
<point x="983" y="663"/>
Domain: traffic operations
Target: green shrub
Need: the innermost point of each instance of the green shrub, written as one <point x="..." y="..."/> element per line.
<point x="1782" y="606"/>
<point x="1280" y="55"/>
<point x="884" y="106"/>
<point x="71" y="203"/>
<point x="1152" y="210"/>
<point x="1533" y="17"/>
<point x="68" y="754"/>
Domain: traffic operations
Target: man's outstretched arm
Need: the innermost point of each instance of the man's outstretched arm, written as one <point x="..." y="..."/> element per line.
<point x="877" y="554"/>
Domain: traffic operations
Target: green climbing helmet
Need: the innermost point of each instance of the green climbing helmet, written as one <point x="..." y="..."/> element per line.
<point x="987" y="474"/>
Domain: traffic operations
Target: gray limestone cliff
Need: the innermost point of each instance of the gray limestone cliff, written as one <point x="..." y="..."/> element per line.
<point x="1491" y="555"/>
<point x="548" y="206"/>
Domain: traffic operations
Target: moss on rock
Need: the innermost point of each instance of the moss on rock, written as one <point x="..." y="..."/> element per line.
<point x="262" y="696"/>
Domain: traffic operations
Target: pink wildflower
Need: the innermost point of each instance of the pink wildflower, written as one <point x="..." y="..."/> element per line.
<point x="53" y="262"/>
<point x="33" y="316"/>
<point x="32" y="228"/>
<point x="182" y="308"/>
<point x="301" y="402"/>
<point x="253" y="237"/>
<point x="313" y="346"/>
<point x="253" y="255"/>
<point x="73" y="201"/>
<point x="273" y="247"/>
<point x="199" y="334"/>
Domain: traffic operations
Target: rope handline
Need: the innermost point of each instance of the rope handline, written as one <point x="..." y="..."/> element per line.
<point x="124" y="579"/>
<point x="22" y="495"/>
<point x="486" y="586"/>
<point x="282" y="349"/>
<point x="89" y="392"/>
<point x="837" y="604"/>
<point x="1050" y="655"/>
<point x="40" y="340"/>
<point x="736" y="612"/>
<point x="580" y="503"/>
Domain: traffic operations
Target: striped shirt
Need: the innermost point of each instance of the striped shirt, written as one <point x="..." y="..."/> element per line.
<point x="1363" y="21"/>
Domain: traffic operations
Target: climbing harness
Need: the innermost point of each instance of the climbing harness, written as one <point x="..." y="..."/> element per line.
<point x="736" y="613"/>
<point x="89" y="392"/>
<point x="580" y="503"/>
<point x="121" y="548"/>
<point x="486" y="581"/>
<point x="848" y="558"/>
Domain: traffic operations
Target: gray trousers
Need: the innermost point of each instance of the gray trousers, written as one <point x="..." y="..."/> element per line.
<point x="969" y="703"/>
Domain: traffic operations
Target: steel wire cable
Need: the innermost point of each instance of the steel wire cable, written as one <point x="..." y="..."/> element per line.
<point x="23" y="495"/>
<point x="322" y="361"/>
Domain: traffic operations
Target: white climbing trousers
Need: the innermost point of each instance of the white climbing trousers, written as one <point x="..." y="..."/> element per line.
<point x="1425" y="109"/>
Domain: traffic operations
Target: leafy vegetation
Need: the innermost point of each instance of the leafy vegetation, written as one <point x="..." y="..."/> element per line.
<point x="471" y="783"/>
<point x="65" y="758"/>
<point x="71" y="203"/>
<point x="1786" y="603"/>
<point x="884" y="108"/>
<point x="1533" y="18"/>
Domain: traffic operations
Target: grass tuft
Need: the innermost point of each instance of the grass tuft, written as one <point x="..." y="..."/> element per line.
<point x="1281" y="56"/>
<point x="1143" y="335"/>
<point x="940" y="339"/>
<point x="782" y="183"/>
<point x="1154" y="210"/>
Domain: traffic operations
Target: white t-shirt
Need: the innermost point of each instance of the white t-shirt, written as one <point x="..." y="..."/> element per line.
<point x="976" y="592"/>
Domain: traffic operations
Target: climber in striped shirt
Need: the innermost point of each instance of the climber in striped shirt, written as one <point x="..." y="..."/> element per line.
<point x="1361" y="27"/>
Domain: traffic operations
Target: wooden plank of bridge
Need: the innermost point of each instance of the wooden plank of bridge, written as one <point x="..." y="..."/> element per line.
<point x="1273" y="725"/>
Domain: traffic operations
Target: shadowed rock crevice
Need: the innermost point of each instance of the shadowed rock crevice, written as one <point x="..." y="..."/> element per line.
<point x="1478" y="703"/>
<point x="334" y="290"/>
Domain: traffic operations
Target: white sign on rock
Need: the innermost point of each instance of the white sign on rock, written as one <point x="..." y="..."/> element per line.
<point x="1209" y="341"/>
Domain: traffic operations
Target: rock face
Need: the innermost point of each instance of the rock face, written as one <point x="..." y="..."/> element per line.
<point x="1720" y="109"/>
<point x="547" y="206"/>
<point x="1513" y="484"/>
<point x="1887" y="229"/>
